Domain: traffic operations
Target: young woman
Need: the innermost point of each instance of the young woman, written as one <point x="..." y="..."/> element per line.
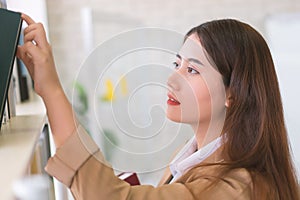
<point x="224" y="85"/>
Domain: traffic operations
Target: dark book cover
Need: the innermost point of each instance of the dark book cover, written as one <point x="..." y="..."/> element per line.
<point x="10" y="27"/>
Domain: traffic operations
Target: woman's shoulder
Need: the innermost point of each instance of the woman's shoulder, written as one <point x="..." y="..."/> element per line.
<point x="204" y="182"/>
<point x="239" y="174"/>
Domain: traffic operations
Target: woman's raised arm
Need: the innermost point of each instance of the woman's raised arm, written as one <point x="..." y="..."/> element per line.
<point x="36" y="53"/>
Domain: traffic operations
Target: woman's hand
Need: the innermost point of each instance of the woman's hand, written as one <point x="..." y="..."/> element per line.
<point x="36" y="53"/>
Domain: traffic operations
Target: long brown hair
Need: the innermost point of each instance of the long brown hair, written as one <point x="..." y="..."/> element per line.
<point x="256" y="137"/>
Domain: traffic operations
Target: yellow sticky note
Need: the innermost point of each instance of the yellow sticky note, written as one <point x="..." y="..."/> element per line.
<point x="109" y="91"/>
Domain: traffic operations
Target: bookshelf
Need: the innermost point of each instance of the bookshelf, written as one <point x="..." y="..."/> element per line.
<point x="24" y="146"/>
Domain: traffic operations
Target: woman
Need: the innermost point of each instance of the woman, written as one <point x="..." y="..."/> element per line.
<point x="224" y="71"/>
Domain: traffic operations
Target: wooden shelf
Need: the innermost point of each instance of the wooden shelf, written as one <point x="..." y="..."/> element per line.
<point x="18" y="139"/>
<point x="33" y="107"/>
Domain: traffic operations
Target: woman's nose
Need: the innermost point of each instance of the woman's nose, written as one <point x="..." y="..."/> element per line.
<point x="177" y="76"/>
<point x="173" y="81"/>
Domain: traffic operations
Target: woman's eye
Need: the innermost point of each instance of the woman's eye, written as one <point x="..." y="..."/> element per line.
<point x="176" y="65"/>
<point x="192" y="71"/>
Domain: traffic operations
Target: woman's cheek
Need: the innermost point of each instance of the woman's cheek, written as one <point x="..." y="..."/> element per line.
<point x="203" y="101"/>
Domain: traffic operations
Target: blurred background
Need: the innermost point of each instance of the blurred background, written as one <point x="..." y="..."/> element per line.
<point x="76" y="27"/>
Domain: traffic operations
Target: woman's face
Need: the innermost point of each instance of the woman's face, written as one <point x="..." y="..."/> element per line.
<point x="196" y="90"/>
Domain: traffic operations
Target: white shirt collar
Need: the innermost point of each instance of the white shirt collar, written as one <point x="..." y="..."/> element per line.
<point x="189" y="156"/>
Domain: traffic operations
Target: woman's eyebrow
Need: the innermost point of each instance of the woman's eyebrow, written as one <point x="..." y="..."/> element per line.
<point x="194" y="60"/>
<point x="178" y="56"/>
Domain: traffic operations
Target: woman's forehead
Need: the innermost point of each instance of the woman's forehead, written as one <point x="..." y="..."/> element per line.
<point x="192" y="49"/>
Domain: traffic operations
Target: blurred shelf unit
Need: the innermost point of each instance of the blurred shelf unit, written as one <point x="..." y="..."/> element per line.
<point x="24" y="151"/>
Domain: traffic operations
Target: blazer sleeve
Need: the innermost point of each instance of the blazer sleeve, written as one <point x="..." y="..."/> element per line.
<point x="80" y="165"/>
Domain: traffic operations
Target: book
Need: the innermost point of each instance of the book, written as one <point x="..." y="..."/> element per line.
<point x="130" y="177"/>
<point x="10" y="27"/>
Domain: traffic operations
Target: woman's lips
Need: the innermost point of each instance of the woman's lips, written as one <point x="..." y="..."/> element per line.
<point x="172" y="101"/>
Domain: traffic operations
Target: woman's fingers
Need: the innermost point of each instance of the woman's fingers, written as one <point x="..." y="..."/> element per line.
<point x="34" y="37"/>
<point x="37" y="56"/>
<point x="21" y="54"/>
<point x="29" y="54"/>
<point x="36" y="33"/>
<point x="29" y="37"/>
<point x="30" y="28"/>
<point x="26" y="58"/>
<point x="33" y="27"/>
<point x="32" y="50"/>
<point x="27" y="19"/>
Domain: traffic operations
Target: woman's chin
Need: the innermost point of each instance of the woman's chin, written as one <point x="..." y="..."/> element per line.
<point x="174" y="118"/>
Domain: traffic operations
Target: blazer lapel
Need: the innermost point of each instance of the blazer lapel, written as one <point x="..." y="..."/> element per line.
<point x="214" y="158"/>
<point x="166" y="178"/>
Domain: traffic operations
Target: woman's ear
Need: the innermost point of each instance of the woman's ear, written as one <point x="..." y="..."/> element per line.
<point x="228" y="99"/>
<point x="227" y="103"/>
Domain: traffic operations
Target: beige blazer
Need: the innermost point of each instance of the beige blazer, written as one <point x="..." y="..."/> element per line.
<point x="80" y="165"/>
